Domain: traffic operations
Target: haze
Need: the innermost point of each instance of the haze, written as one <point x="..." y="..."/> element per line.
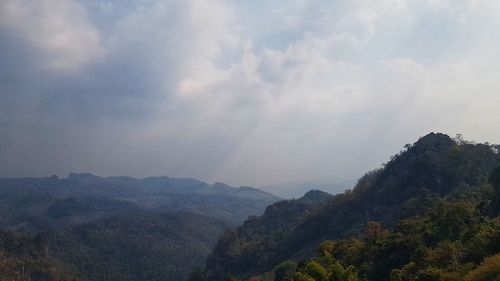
<point x="243" y="92"/>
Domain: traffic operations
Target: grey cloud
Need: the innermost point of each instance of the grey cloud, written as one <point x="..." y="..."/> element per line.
<point x="214" y="90"/>
<point x="59" y="30"/>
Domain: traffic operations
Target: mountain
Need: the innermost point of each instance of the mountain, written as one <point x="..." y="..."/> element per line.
<point x="434" y="166"/>
<point x="241" y="248"/>
<point x="27" y="203"/>
<point x="122" y="228"/>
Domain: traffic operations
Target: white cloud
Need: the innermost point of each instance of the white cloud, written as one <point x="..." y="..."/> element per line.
<point x="259" y="92"/>
<point x="58" y="27"/>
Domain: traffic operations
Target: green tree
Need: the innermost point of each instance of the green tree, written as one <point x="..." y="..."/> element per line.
<point x="340" y="273"/>
<point x="316" y="271"/>
<point x="285" y="271"/>
<point x="489" y="270"/>
<point x="299" y="276"/>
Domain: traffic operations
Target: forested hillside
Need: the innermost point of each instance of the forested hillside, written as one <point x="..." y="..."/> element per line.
<point x="453" y="240"/>
<point x="142" y="247"/>
<point x="432" y="189"/>
<point x="121" y="228"/>
<point x="430" y="213"/>
<point x="25" y="259"/>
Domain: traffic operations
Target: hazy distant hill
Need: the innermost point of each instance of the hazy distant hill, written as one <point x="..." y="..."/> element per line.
<point x="121" y="228"/>
<point x="31" y="202"/>
<point x="296" y="189"/>
<point x="434" y="166"/>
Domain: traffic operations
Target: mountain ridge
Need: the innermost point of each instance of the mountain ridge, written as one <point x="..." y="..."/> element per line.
<point x="163" y="227"/>
<point x="434" y="164"/>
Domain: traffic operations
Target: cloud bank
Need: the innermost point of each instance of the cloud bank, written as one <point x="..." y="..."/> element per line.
<point x="246" y="92"/>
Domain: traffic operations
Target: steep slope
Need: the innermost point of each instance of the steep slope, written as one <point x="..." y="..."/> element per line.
<point x="435" y="164"/>
<point x="241" y="248"/>
<point x="452" y="240"/>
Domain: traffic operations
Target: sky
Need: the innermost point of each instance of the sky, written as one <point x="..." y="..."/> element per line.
<point x="244" y="92"/>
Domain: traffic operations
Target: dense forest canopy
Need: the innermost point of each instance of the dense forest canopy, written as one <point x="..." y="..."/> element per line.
<point x="120" y="228"/>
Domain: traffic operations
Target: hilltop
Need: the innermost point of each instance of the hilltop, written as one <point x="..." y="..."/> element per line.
<point x="435" y="166"/>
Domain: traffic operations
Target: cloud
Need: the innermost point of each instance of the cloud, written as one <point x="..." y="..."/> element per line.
<point x="244" y="92"/>
<point x="57" y="27"/>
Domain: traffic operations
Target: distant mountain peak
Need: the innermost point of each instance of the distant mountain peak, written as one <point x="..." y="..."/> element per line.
<point x="315" y="196"/>
<point x="434" y="140"/>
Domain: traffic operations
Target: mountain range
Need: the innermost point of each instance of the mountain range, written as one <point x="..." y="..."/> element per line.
<point x="430" y="213"/>
<point x="122" y="228"/>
